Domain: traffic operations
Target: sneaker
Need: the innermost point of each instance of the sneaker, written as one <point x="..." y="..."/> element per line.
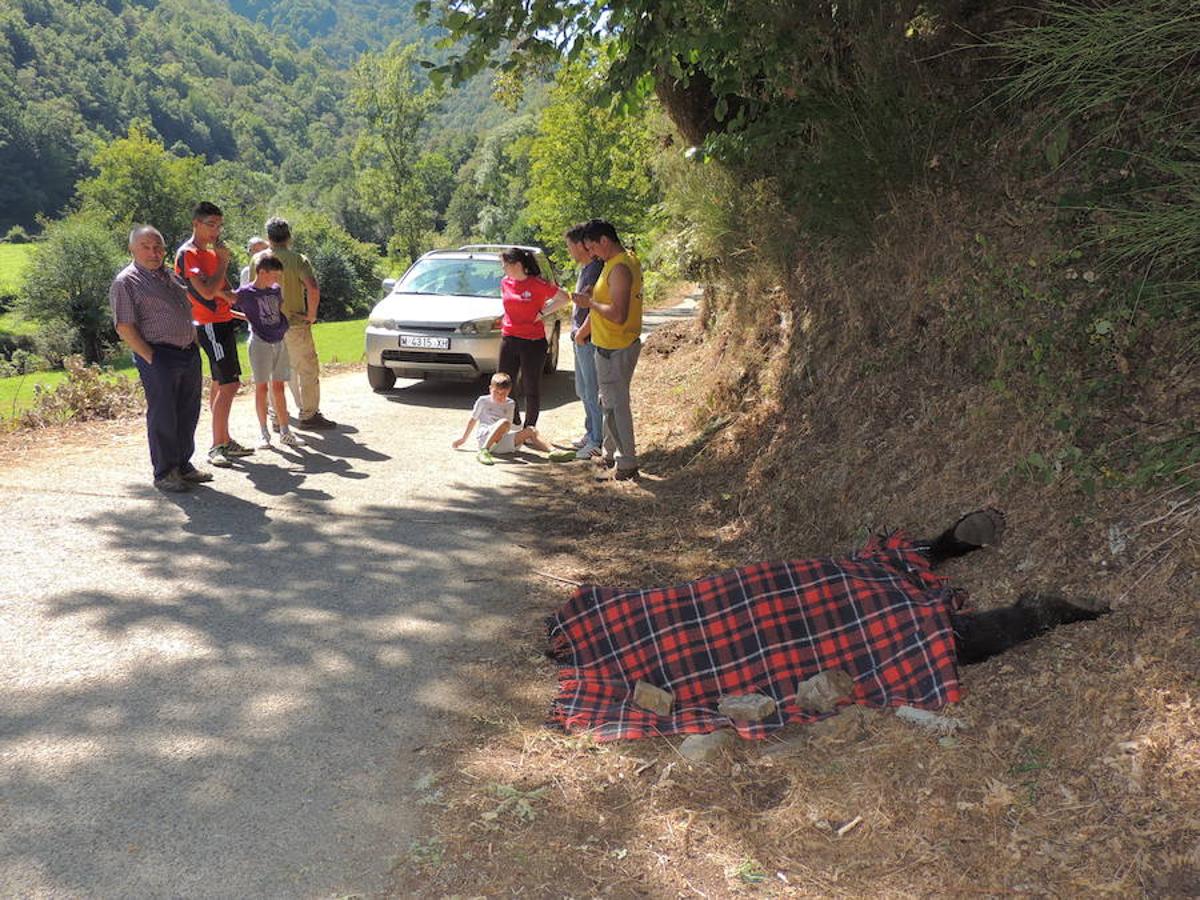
<point x="264" y="442"/>
<point x="195" y="476"/>
<point x="563" y="455"/>
<point x="587" y="451"/>
<point x="288" y="439"/>
<point x="485" y="456"/>
<point x="172" y="483"/>
<point x="218" y="457"/>
<point x="233" y="448"/>
<point x="579" y="441"/>
<point x="316" y="422"/>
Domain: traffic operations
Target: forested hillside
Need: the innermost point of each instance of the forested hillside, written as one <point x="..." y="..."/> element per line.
<point x="265" y="86"/>
<point x="213" y="85"/>
<point x="118" y="112"/>
<point x="342" y="28"/>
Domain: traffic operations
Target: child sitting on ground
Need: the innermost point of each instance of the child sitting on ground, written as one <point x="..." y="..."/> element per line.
<point x="494" y="414"/>
<point x="260" y="301"/>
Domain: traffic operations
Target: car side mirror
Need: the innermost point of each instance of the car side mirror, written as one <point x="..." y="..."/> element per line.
<point x="388" y="284"/>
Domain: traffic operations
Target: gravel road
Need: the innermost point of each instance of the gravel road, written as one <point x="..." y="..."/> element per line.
<point x="225" y="693"/>
<point x="221" y="694"/>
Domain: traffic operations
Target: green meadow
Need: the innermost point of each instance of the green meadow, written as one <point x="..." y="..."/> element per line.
<point x="13" y="258"/>
<point x="337" y="342"/>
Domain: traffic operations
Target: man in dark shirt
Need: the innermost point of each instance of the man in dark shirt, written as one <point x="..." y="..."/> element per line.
<point x="153" y="316"/>
<point x="587" y="386"/>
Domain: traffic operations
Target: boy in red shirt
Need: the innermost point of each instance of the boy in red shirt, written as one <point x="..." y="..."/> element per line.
<point x="202" y="260"/>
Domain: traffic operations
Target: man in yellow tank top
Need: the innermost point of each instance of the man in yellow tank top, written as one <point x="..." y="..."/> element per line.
<point x="616" y="317"/>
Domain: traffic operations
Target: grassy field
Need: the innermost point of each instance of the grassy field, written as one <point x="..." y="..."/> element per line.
<point x="11" y="323"/>
<point x="337" y="342"/>
<point x="12" y="262"/>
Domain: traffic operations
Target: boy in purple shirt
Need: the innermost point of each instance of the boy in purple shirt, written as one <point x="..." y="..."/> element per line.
<point x="260" y="302"/>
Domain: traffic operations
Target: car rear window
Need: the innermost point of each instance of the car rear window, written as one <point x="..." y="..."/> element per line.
<point x="467" y="277"/>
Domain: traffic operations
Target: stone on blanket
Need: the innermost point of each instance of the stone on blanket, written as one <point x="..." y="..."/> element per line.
<point x="651" y="698"/>
<point x="823" y="691"/>
<point x="747" y="707"/>
<point x="705" y="747"/>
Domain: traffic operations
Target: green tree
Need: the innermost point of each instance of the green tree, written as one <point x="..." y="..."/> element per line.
<point x="395" y="108"/>
<point x="588" y="160"/>
<point x="138" y="181"/>
<point x="66" y="283"/>
<point x="436" y="177"/>
<point x="715" y="67"/>
<point x="502" y="180"/>
<point x="347" y="270"/>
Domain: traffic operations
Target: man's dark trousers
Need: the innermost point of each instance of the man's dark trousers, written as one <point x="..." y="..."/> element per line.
<point x="173" y="386"/>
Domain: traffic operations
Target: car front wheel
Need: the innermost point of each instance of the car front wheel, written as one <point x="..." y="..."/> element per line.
<point x="381" y="378"/>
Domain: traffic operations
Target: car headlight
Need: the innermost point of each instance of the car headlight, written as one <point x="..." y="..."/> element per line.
<point x="481" y="326"/>
<point x="386" y="324"/>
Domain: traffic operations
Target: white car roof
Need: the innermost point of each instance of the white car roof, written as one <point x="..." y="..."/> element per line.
<point x="479" y="251"/>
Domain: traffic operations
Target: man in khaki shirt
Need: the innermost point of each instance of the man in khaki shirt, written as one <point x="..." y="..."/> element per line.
<point x="301" y="296"/>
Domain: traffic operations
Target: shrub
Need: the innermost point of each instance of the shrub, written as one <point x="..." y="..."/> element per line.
<point x="347" y="270"/>
<point x="54" y="341"/>
<point x="22" y="362"/>
<point x="88" y="392"/>
<point x="1124" y="73"/>
<point x="66" y="283"/>
<point x="17" y="235"/>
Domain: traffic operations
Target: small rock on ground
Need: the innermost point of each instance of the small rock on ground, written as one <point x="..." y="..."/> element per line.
<point x="706" y="747"/>
<point x="747" y="707"/>
<point x="923" y="718"/>
<point x="823" y="691"/>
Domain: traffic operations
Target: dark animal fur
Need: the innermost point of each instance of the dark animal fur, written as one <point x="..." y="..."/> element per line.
<point x="981" y="635"/>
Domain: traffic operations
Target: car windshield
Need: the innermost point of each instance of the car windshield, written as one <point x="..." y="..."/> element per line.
<point x="467" y="277"/>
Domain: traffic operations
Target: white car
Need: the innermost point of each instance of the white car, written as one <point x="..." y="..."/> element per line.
<point x="442" y="318"/>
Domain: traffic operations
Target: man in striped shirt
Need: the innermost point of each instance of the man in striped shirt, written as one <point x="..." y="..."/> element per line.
<point x="153" y="316"/>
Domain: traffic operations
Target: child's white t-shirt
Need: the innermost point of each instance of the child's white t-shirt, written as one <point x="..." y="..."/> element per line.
<point x="488" y="412"/>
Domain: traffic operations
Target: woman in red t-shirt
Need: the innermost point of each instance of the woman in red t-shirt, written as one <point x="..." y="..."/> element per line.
<point x="523" y="345"/>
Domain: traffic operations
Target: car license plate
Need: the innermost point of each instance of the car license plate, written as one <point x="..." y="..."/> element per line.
<point x="424" y="343"/>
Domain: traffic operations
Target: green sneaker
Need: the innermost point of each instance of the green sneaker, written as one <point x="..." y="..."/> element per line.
<point x="485" y="456"/>
<point x="562" y="456"/>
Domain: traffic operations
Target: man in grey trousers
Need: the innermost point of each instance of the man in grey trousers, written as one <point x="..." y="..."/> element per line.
<point x="616" y="316"/>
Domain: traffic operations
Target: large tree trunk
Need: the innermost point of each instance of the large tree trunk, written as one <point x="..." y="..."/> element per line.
<point x="691" y="106"/>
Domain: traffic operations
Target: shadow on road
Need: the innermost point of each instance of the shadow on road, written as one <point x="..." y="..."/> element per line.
<point x="322" y="655"/>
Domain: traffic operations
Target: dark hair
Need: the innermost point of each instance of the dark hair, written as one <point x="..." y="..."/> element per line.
<point x="599" y="228"/>
<point x="502" y="379"/>
<point x="278" y="230"/>
<point x="265" y="259"/>
<point x="525" y="258"/>
<point x="576" y="234"/>
<point x="204" y="209"/>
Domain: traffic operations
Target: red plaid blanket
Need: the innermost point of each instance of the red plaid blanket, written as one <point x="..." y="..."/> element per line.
<point x="881" y="615"/>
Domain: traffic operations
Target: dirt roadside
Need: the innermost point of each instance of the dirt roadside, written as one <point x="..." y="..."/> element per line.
<point x="1075" y="775"/>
